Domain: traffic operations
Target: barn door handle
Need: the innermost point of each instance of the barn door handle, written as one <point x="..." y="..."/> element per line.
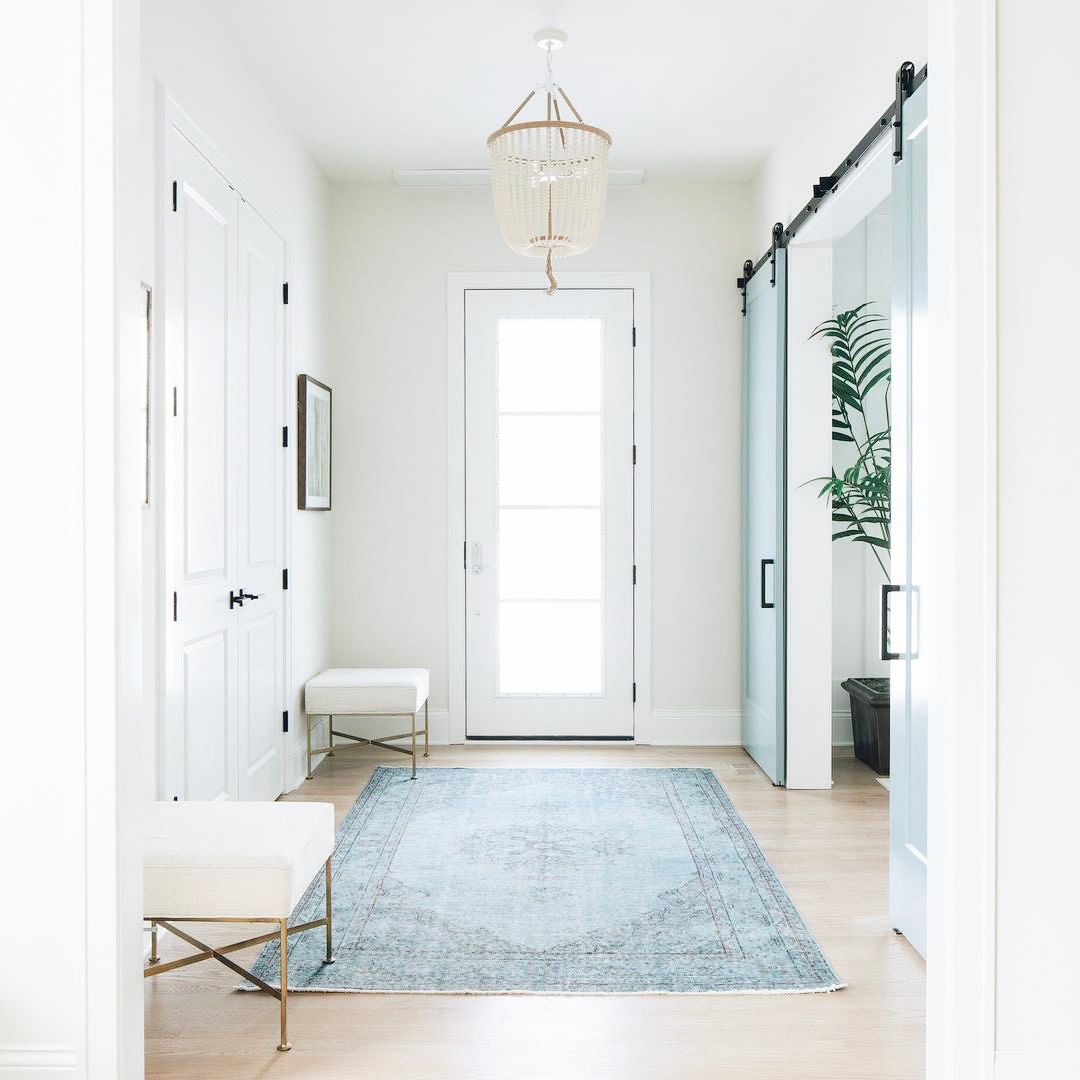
<point x="766" y="603"/>
<point x="888" y="653"/>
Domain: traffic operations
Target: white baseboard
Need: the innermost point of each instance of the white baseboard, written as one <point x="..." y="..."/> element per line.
<point x="1036" y="1065"/>
<point x="696" y="727"/>
<point x="841" y="727"/>
<point x="37" y="1062"/>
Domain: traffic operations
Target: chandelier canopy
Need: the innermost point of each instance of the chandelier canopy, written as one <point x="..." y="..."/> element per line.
<point x="549" y="177"/>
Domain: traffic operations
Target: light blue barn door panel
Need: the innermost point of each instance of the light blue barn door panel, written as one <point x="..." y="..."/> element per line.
<point x="764" y="476"/>
<point x="904" y="600"/>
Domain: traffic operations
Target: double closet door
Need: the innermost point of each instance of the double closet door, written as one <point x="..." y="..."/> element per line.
<point x="224" y="480"/>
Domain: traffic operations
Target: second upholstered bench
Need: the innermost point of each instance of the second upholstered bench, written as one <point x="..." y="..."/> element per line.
<point x="368" y="692"/>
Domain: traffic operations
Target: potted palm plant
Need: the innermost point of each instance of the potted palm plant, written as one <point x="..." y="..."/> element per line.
<point x="860" y="347"/>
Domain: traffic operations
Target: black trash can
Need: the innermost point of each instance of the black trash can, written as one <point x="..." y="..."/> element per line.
<point x="870" y="721"/>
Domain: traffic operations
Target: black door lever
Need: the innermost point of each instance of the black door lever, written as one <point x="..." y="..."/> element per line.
<point x="236" y="599"/>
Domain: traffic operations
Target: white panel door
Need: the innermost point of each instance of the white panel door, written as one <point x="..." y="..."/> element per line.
<point x="549" y="514"/>
<point x="260" y="525"/>
<point x="912" y="475"/>
<point x="203" y="378"/>
<point x="225" y="484"/>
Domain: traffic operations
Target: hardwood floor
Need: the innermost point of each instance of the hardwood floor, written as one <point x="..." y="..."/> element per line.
<point x="829" y="849"/>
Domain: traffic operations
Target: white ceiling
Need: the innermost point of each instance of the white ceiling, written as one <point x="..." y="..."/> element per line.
<point x="685" y="87"/>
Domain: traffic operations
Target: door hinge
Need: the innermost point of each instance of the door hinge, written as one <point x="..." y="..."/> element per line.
<point x="285" y="720"/>
<point x="905" y="80"/>
<point x="174" y="607"/>
<point x="633" y="459"/>
<point x="633" y="336"/>
<point x="633" y="696"/>
<point x="285" y="435"/>
<point x="465" y="554"/>
<point x="285" y="577"/>
<point x="174" y="196"/>
<point x="174" y="401"/>
<point x="285" y="293"/>
<point x="635" y="573"/>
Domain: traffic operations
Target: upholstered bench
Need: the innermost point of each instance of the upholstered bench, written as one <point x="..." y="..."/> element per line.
<point x="241" y="862"/>
<point x="367" y="692"/>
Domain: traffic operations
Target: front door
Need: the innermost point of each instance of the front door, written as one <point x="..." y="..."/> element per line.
<point x="549" y="557"/>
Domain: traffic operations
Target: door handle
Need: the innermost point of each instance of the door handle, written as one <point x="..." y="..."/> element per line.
<point x="766" y="603"/>
<point x="477" y="561"/>
<point x="888" y="653"/>
<point x="236" y="599"/>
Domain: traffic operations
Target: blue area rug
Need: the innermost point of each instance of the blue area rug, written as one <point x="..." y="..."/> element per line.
<point x="551" y="881"/>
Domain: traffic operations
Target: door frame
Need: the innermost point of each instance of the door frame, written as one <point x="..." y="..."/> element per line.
<point x="457" y="285"/>
<point x="171" y="114"/>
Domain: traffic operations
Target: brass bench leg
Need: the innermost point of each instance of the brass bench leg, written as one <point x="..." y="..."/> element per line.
<point x="426" y="728"/>
<point x="283" y="936"/>
<point x="413" y="777"/>
<point x="308" y="717"/>
<point x="154" y="958"/>
<point x="329" y="923"/>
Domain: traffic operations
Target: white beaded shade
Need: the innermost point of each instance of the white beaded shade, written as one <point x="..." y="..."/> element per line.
<point x="549" y="181"/>
<point x="550" y="186"/>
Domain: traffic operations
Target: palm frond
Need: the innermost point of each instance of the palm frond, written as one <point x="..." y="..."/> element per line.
<point x="860" y="347"/>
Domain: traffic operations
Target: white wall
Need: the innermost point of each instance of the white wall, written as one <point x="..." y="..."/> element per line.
<point x="41" y="341"/>
<point x="1038" y="869"/>
<point x="862" y="271"/>
<point x="182" y="52"/>
<point x="65" y="652"/>
<point x="833" y="115"/>
<point x="391" y="250"/>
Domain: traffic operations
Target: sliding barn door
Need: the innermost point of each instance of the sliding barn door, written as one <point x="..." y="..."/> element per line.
<point x="911" y="478"/>
<point x="224" y="544"/>
<point x="764" y="471"/>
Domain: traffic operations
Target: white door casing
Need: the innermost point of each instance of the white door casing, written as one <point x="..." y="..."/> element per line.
<point x="224" y="669"/>
<point x="549" y="513"/>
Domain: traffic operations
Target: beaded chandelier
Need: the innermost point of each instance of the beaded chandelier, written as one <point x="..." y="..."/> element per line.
<point x="549" y="177"/>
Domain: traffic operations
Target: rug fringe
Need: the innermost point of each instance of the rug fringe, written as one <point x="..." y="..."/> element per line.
<point x="248" y="988"/>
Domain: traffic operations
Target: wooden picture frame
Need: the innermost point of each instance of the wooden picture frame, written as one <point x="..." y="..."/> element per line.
<point x="314" y="443"/>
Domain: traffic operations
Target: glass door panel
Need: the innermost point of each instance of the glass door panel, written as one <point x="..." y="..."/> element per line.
<point x="549" y="497"/>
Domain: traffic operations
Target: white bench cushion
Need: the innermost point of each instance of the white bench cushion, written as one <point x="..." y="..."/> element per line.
<point x="363" y="691"/>
<point x="218" y="860"/>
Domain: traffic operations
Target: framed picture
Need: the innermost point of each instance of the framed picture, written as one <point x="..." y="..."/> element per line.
<point x="313" y="443"/>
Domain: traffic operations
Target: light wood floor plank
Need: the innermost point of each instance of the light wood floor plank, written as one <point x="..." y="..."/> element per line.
<point x="829" y="848"/>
